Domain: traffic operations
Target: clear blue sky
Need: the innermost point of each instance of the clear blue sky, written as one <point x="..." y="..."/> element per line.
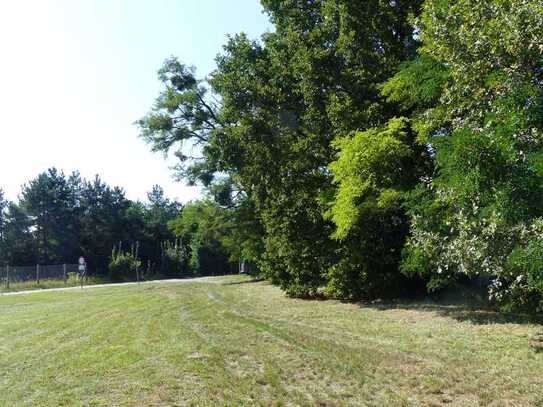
<point x="76" y="74"/>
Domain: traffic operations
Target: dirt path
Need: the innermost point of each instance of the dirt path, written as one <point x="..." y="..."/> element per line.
<point x="210" y="280"/>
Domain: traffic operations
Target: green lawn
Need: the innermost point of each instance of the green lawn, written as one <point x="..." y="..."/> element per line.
<point x="237" y="342"/>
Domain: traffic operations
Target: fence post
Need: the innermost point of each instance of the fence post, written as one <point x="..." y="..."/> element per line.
<point x="64" y="273"/>
<point x="7" y="276"/>
<point x="37" y="274"/>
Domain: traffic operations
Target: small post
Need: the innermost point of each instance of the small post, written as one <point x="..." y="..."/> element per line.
<point x="37" y="274"/>
<point x="64" y="275"/>
<point x="7" y="276"/>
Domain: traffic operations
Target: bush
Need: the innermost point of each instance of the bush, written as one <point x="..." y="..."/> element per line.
<point x="72" y="278"/>
<point x="299" y="290"/>
<point x="520" y="287"/>
<point x="123" y="266"/>
<point x="175" y="259"/>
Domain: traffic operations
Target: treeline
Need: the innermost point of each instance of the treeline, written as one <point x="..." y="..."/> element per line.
<point x="59" y="218"/>
<point x="374" y="146"/>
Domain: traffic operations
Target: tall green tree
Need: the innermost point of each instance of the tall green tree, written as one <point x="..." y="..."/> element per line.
<point x="51" y="201"/>
<point x="105" y="214"/>
<point x="60" y="218"/>
<point x="184" y="118"/>
<point x="201" y="227"/>
<point x="19" y="240"/>
<point x="283" y="100"/>
<point x="481" y="209"/>
<point x="157" y="213"/>
<point x="375" y="172"/>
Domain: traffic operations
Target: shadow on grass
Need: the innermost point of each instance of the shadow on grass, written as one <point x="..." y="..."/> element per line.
<point x="477" y="315"/>
<point x="474" y="313"/>
<point x="252" y="281"/>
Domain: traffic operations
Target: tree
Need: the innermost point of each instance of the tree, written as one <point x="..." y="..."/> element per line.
<point x="200" y="228"/>
<point x="60" y="218"/>
<point x="51" y="201"/>
<point x="482" y="206"/>
<point x="107" y="218"/>
<point x="147" y="223"/>
<point x="282" y="102"/>
<point x="183" y="117"/>
<point x="375" y="171"/>
<point x="158" y="212"/>
<point x="20" y="244"/>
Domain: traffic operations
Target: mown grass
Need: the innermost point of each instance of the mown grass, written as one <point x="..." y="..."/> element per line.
<point x="237" y="342"/>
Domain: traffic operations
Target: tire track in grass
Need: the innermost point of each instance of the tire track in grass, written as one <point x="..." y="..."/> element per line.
<point x="312" y="353"/>
<point x="223" y="347"/>
<point x="371" y="365"/>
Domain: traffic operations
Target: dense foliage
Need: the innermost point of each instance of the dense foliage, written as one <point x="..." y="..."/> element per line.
<point x="124" y="265"/>
<point x="375" y="171"/>
<point x="269" y="113"/>
<point x="59" y="218"/>
<point x="204" y="225"/>
<point x="480" y="214"/>
<point x="373" y="143"/>
<point x="361" y="149"/>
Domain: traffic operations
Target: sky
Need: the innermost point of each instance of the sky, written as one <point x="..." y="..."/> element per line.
<point x="76" y="74"/>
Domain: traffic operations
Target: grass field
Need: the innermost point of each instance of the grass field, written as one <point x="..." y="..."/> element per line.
<point x="237" y="342"/>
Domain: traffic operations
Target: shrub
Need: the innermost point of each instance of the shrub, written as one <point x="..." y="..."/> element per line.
<point x="520" y="286"/>
<point x="124" y="265"/>
<point x="175" y="258"/>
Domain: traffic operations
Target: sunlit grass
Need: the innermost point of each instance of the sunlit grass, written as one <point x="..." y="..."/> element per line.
<point x="247" y="344"/>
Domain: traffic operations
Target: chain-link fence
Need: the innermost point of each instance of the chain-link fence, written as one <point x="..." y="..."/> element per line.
<point x="37" y="273"/>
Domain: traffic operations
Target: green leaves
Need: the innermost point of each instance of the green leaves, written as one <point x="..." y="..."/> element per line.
<point x="372" y="171"/>
<point x="206" y="230"/>
<point x="486" y="131"/>
<point x="183" y="117"/>
<point x="283" y="100"/>
<point x="418" y="85"/>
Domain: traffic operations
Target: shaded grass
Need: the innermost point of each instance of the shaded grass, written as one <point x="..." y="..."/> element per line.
<point x="247" y="344"/>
